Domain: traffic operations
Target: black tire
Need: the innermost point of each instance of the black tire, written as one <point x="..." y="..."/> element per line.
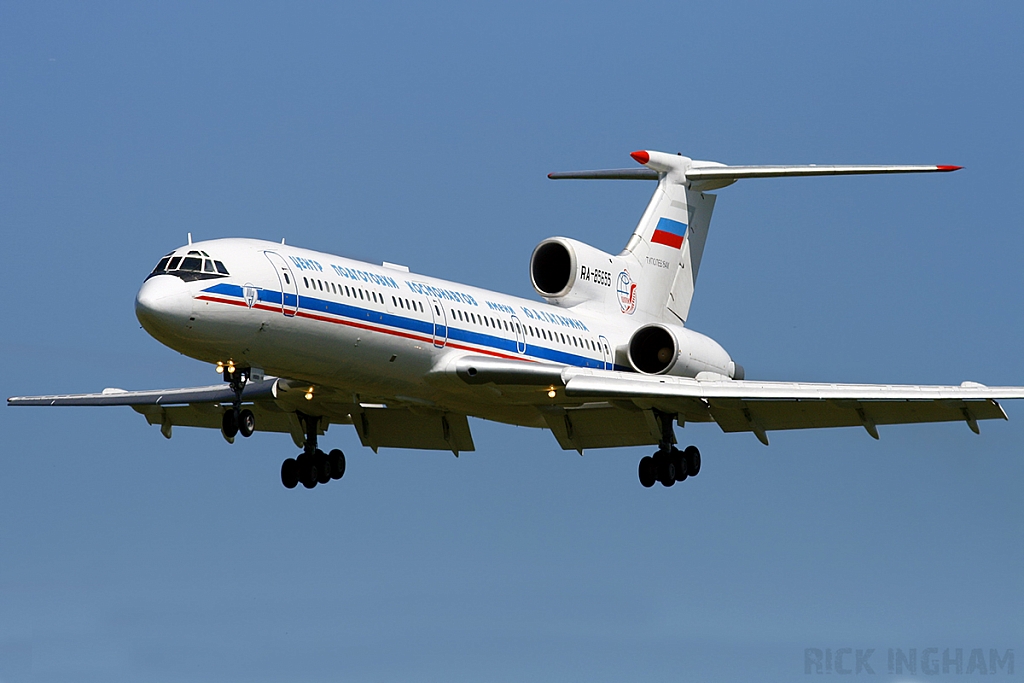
<point x="337" y="460"/>
<point x="246" y="423"/>
<point x="290" y="473"/>
<point x="679" y="460"/>
<point x="228" y="424"/>
<point x="647" y="472"/>
<point x="307" y="473"/>
<point x="666" y="471"/>
<point x="323" y="467"/>
<point x="692" y="456"/>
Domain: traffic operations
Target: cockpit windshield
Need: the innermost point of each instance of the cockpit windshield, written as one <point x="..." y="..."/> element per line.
<point x="194" y="265"/>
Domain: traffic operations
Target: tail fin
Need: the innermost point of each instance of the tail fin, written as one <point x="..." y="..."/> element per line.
<point x="668" y="242"/>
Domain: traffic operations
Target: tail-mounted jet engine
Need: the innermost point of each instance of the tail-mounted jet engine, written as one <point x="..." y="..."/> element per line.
<point x="658" y="349"/>
<point x="567" y="272"/>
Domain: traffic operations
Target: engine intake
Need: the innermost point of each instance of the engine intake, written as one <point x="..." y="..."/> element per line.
<point x="552" y="268"/>
<point x="652" y="350"/>
<point x="658" y="349"/>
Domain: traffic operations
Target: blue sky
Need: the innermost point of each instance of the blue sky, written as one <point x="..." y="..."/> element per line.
<point x="423" y="135"/>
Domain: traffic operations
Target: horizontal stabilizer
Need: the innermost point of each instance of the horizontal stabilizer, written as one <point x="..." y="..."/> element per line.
<point x="737" y="172"/>
<point x="709" y="175"/>
<point x="607" y="174"/>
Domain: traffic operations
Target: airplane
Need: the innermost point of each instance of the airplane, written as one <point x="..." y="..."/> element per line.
<point x="304" y="340"/>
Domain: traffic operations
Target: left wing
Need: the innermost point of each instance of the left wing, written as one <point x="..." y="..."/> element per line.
<point x="736" y="405"/>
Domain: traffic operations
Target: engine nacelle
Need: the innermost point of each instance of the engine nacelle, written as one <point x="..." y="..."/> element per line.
<point x="567" y="272"/>
<point x="658" y="349"/>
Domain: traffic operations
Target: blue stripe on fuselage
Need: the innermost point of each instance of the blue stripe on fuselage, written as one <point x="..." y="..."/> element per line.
<point x="313" y="304"/>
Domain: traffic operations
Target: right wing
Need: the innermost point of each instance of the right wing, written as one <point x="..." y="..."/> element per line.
<point x="276" y="404"/>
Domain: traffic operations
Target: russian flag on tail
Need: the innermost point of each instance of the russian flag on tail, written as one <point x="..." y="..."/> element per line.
<point x="669" y="232"/>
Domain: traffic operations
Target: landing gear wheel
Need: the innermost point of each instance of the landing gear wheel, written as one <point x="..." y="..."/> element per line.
<point x="290" y="473"/>
<point x="323" y="467"/>
<point x="228" y="424"/>
<point x="246" y="423"/>
<point x="692" y="457"/>
<point x="666" y="471"/>
<point x="647" y="471"/>
<point x="337" y="461"/>
<point x="307" y="472"/>
<point x="679" y="461"/>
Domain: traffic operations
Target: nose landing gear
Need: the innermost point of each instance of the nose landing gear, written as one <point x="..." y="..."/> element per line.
<point x="668" y="464"/>
<point x="312" y="466"/>
<point x="236" y="420"/>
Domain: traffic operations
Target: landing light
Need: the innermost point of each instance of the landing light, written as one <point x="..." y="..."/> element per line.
<point x="552" y="393"/>
<point x="220" y="368"/>
<point x="309" y="394"/>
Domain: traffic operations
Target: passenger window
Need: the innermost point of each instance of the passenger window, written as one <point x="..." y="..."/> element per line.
<point x="305" y="281"/>
<point x="287" y="280"/>
<point x="361" y="295"/>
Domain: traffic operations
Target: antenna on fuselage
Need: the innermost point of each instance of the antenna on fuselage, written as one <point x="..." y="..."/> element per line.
<point x="190" y="238"/>
<point x="282" y="240"/>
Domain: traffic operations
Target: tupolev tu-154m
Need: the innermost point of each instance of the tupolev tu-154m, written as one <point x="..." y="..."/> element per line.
<point x="305" y="339"/>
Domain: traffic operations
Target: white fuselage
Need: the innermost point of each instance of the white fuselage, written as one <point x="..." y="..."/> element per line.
<point x="373" y="333"/>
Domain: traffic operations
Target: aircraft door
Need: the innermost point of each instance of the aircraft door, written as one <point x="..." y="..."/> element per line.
<point x="606" y="352"/>
<point x="520" y="334"/>
<point x="289" y="287"/>
<point x="440" y="323"/>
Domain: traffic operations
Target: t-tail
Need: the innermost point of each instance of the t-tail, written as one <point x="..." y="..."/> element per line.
<point x="665" y="249"/>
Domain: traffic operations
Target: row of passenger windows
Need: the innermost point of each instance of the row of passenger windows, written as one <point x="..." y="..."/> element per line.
<point x="527" y="330"/>
<point x="457" y="314"/>
<point x="194" y="262"/>
<point x="359" y="293"/>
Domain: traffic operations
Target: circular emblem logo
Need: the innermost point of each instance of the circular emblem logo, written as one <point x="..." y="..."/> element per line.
<point x="249" y="293"/>
<point x="626" y="290"/>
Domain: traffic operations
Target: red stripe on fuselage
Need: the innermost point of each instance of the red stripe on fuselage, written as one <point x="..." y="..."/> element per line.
<point x="363" y="326"/>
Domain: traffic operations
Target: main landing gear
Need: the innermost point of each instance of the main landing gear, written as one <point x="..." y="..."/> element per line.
<point x="668" y="464"/>
<point x="312" y="466"/>
<point x="669" y="467"/>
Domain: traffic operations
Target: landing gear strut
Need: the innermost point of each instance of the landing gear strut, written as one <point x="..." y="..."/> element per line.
<point x="237" y="420"/>
<point x="312" y="466"/>
<point x="668" y="464"/>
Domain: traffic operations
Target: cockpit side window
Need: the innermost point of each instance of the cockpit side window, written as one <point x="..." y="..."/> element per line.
<point x="220" y="268"/>
<point x="173" y="265"/>
<point x="162" y="266"/>
<point x="208" y="266"/>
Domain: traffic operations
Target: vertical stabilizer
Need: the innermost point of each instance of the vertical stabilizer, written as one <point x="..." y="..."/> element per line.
<point x="668" y="242"/>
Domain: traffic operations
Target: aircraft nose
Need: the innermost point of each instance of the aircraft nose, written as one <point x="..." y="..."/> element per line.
<point x="164" y="306"/>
